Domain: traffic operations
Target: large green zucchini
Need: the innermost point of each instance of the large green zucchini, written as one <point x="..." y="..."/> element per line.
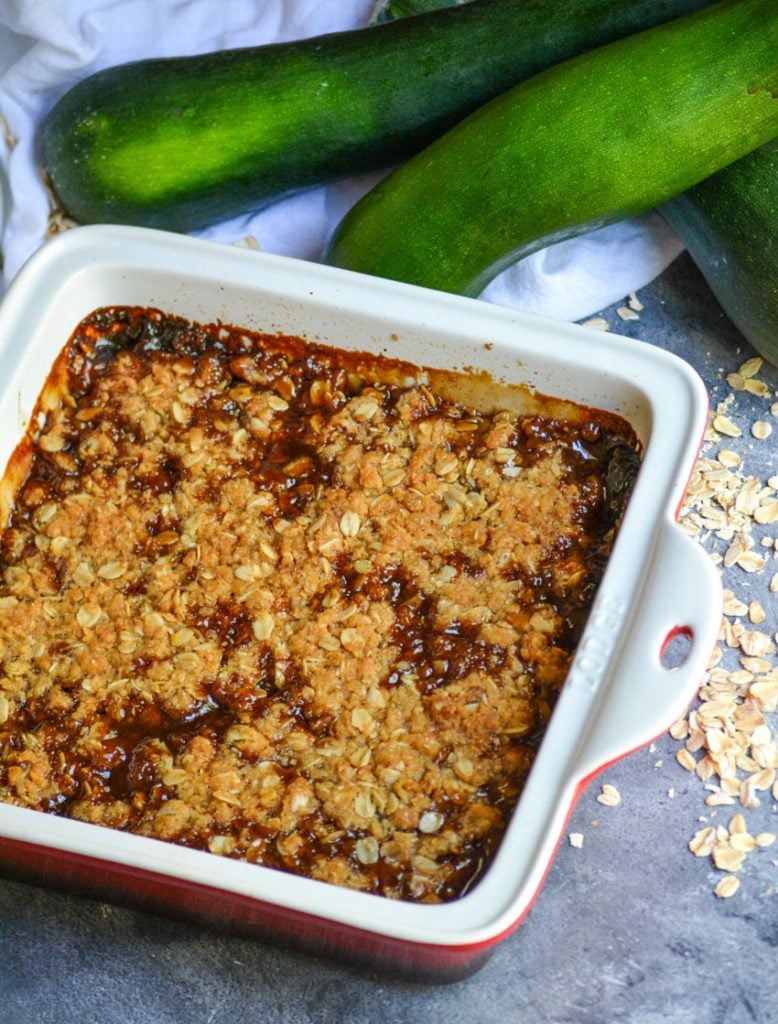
<point x="388" y="10"/>
<point x="729" y="223"/>
<point x="181" y="143"/>
<point x="596" y="139"/>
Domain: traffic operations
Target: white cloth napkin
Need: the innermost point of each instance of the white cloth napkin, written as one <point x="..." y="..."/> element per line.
<point x="48" y="45"/>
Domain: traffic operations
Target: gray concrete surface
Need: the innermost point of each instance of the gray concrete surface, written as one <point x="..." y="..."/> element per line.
<point x="625" y="931"/>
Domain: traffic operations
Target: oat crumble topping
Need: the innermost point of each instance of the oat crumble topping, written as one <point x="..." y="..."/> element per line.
<point x="290" y="605"/>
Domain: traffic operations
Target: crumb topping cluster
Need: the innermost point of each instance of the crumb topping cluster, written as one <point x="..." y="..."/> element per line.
<point x="290" y="605"/>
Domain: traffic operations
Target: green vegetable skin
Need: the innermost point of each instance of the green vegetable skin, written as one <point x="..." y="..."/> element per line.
<point x="181" y="143"/>
<point x="729" y="223"/>
<point x="389" y="9"/>
<point x="597" y="139"/>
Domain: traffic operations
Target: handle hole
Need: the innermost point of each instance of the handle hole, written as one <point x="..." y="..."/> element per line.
<point x="676" y="648"/>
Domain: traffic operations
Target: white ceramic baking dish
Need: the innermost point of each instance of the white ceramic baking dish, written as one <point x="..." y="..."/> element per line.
<point x="619" y="693"/>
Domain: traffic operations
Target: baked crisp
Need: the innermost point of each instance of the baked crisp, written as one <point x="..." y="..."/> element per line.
<point x="291" y="605"/>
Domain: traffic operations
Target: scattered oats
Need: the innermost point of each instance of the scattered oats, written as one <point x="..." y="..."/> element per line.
<point x="609" y="796"/>
<point x="726" y="857"/>
<point x="248" y="242"/>
<point x="733" y="606"/>
<point x="750" y="561"/>
<point x="719" y="799"/>
<point x="761" y="735"/>
<point x="751" y="367"/>
<point x="737" y="823"/>
<point x="626" y="313"/>
<point x="703" y="842"/>
<point x="735" y="551"/>
<point x="727" y="887"/>
<point x="576" y="839"/>
<point x="764" y="839"/>
<point x="634" y="302"/>
<point x="742" y="841"/>
<point x="728" y="458"/>
<point x="724" y="425"/>
<point x="679" y="730"/>
<point x="761" y="430"/>
<point x="757" y="387"/>
<point x="774" y="583"/>
<point x="763" y="779"/>
<point x="767" y="512"/>
<point x="597" y="323"/>
<point x="685" y="760"/>
<point x="748" y="797"/>
<point x="736" y="381"/>
<point x="671" y="792"/>
<point x="756" y="612"/>
<point x="755" y="643"/>
<point x="755" y="666"/>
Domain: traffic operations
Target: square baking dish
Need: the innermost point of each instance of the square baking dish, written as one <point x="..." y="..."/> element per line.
<point x="620" y="692"/>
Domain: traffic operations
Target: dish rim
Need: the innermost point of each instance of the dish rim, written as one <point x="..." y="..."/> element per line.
<point x="675" y="404"/>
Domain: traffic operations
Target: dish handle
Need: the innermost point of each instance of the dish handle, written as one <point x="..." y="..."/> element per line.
<point x="681" y="598"/>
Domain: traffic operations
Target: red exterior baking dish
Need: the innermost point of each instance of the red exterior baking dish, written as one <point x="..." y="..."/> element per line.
<point x="618" y="694"/>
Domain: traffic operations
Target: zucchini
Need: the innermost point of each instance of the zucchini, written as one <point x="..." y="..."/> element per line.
<point x="389" y="10"/>
<point x="599" y="138"/>
<point x="184" y="142"/>
<point x="729" y="223"/>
